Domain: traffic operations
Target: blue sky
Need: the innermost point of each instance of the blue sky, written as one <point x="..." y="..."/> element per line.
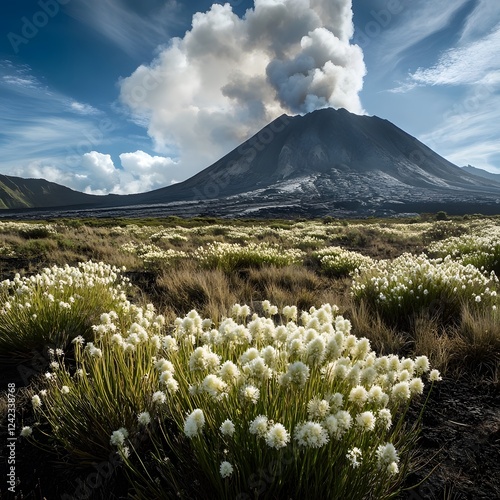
<point x="127" y="96"/>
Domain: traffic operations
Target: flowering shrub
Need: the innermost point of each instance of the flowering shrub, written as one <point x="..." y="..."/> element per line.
<point x="27" y="230"/>
<point x="338" y="262"/>
<point x="480" y="250"/>
<point x="152" y="255"/>
<point x="56" y="305"/>
<point x="308" y="402"/>
<point x="401" y="287"/>
<point x="112" y="388"/>
<point x="231" y="256"/>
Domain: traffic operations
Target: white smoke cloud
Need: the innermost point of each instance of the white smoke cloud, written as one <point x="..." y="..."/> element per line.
<point x="229" y="76"/>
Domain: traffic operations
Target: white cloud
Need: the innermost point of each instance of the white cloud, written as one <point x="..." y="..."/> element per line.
<point x="229" y="76"/>
<point x="418" y="21"/>
<point x="464" y="65"/>
<point x="83" y="109"/>
<point x="97" y="173"/>
<point x="465" y="134"/>
<point x="481" y="20"/>
<point x="132" y="26"/>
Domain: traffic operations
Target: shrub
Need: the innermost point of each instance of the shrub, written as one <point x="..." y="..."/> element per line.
<point x="112" y="385"/>
<point x="408" y="285"/>
<point x="338" y="262"/>
<point x="231" y="256"/>
<point x="310" y="405"/>
<point x="53" y="307"/>
<point x="480" y="250"/>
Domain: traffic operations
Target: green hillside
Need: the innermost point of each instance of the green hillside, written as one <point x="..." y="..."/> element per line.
<point x="16" y="192"/>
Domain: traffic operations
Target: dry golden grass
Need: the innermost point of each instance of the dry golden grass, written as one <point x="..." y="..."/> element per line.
<point x="176" y="288"/>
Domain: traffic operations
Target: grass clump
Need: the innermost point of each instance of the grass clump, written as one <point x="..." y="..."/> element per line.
<point x="232" y="256"/>
<point x="400" y="289"/>
<point x="112" y="384"/>
<point x="302" y="398"/>
<point x="482" y="251"/>
<point x="338" y="262"/>
<point x="54" y="306"/>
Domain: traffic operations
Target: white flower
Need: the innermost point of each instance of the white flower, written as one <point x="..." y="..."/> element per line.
<point x="159" y="397"/>
<point x="65" y="389"/>
<point x="354" y="456"/>
<point x="416" y="386"/>
<point x="277" y="436"/>
<point x="331" y="424"/>
<point x="118" y="438"/>
<point x="387" y="454"/>
<point x="227" y="428"/>
<point x="385" y="417"/>
<point x="366" y="421"/>
<point x="421" y="365"/>
<point x="435" y="376"/>
<point x="297" y="373"/>
<point x="318" y="408"/>
<point x="401" y="391"/>
<point x="251" y="393"/>
<point x="78" y="340"/>
<point x="194" y="423"/>
<point x="393" y="468"/>
<point x="344" y="422"/>
<point x="258" y="426"/>
<point x="358" y="395"/>
<point x="36" y="401"/>
<point x="144" y="418"/>
<point x="311" y="434"/>
<point x="229" y="372"/>
<point x="26" y="431"/>
<point x="214" y="385"/>
<point x="226" y="469"/>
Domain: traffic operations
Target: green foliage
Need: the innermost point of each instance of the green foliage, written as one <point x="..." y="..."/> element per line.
<point x="54" y="306"/>
<point x="410" y="285"/>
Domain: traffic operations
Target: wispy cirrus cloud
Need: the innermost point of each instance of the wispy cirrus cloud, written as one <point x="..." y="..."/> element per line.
<point x="417" y="22"/>
<point x="133" y="27"/>
<point x="469" y="64"/>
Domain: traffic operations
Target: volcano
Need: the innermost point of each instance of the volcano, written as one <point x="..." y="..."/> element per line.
<point x="331" y="162"/>
<point x="328" y="162"/>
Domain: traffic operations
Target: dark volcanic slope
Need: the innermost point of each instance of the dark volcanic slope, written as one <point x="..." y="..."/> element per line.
<point x="331" y="155"/>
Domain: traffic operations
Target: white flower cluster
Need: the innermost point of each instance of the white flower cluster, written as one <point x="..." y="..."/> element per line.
<point x="481" y="249"/>
<point x="230" y="255"/>
<point x="241" y="361"/>
<point x="60" y="279"/>
<point x="341" y="262"/>
<point x="411" y="280"/>
<point x="152" y="254"/>
<point x="145" y="327"/>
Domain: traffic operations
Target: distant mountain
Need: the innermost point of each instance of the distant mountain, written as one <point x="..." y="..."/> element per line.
<point x="328" y="162"/>
<point x="482" y="173"/>
<point x="16" y="192"/>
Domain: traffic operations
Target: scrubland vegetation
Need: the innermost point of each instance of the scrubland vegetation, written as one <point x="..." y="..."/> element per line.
<point x="243" y="359"/>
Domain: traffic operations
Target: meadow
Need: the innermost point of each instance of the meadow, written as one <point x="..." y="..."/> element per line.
<point x="205" y="358"/>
